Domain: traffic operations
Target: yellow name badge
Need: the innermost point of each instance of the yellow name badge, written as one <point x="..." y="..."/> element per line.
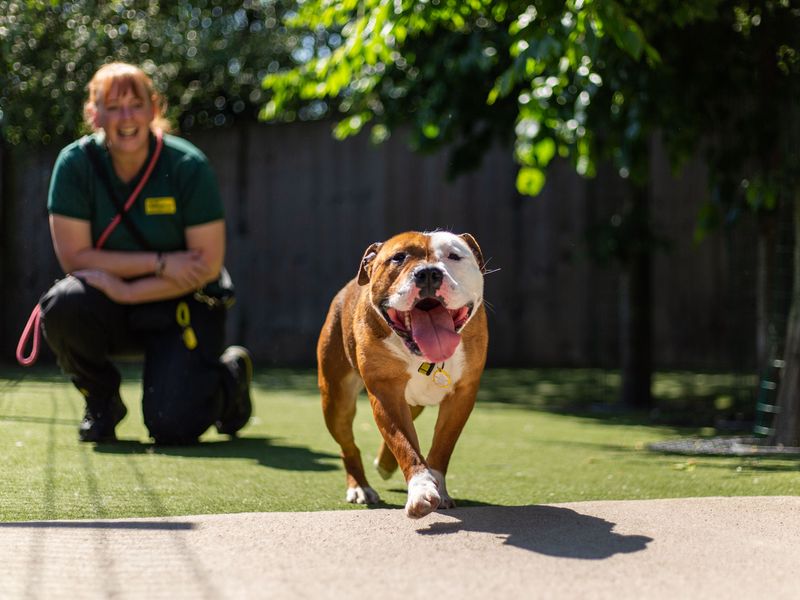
<point x="164" y="205"/>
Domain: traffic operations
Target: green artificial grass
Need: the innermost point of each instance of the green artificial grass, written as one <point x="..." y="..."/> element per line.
<point x="536" y="436"/>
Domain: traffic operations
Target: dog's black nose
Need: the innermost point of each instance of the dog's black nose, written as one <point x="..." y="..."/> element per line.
<point x="428" y="280"/>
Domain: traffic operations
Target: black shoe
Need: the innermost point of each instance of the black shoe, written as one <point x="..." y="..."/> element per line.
<point x="100" y="420"/>
<point x="238" y="406"/>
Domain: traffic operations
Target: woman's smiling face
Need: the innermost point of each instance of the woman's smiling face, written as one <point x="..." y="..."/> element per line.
<point x="125" y="116"/>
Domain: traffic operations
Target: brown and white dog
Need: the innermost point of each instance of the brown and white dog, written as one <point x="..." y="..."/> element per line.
<point x="411" y="328"/>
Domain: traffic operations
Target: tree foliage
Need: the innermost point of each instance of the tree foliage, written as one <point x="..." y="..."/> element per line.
<point x="588" y="80"/>
<point x="464" y="73"/>
<point x="207" y="57"/>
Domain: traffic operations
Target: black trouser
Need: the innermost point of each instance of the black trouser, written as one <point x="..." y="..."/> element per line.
<point x="183" y="388"/>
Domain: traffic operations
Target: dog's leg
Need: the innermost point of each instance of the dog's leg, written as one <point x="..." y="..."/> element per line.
<point x="393" y="417"/>
<point x="339" y="408"/>
<point x="386" y="463"/>
<point x="453" y="414"/>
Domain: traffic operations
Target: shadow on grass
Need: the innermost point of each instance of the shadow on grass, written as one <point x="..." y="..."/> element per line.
<point x="383" y="504"/>
<point x="36" y="420"/>
<point x="724" y="462"/>
<point x="261" y="449"/>
<point x="549" y="530"/>
<point x="134" y="525"/>
<point x="680" y="398"/>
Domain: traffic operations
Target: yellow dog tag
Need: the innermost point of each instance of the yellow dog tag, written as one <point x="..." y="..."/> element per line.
<point x="441" y="378"/>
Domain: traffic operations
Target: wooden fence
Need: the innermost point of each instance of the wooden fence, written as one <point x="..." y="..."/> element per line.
<point x="302" y="208"/>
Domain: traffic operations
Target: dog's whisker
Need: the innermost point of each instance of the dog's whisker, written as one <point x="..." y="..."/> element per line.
<point x="486" y="270"/>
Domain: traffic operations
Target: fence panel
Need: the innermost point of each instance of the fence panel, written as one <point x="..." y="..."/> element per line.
<point x="302" y="207"/>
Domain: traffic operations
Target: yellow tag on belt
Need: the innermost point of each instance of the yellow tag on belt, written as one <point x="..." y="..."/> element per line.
<point x="164" y="205"/>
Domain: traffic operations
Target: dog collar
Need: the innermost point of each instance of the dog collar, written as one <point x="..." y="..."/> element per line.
<point x="441" y="378"/>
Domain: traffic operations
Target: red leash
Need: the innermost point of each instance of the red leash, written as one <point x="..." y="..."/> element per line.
<point x="32" y="327"/>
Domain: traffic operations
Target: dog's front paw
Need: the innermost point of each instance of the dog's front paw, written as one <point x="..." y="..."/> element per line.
<point x="362" y="495"/>
<point x="423" y="495"/>
<point x="446" y="500"/>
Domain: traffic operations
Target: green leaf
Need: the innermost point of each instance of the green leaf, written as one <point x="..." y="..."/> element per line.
<point x="430" y="130"/>
<point x="268" y="112"/>
<point x="379" y="134"/>
<point x="530" y="181"/>
<point x="544" y="151"/>
<point x="350" y="126"/>
<point x="631" y="41"/>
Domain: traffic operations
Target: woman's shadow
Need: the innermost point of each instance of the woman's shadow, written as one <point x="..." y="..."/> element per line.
<point x="549" y="530"/>
<point x="265" y="451"/>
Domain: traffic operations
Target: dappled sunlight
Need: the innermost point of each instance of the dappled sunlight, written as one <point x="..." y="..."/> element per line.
<point x="298" y="380"/>
<point x="680" y="397"/>
<point x="554" y="389"/>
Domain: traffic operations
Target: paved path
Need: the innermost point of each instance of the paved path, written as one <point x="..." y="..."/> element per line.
<point x="687" y="548"/>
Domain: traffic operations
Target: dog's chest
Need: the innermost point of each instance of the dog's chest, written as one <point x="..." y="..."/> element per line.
<point x="428" y="384"/>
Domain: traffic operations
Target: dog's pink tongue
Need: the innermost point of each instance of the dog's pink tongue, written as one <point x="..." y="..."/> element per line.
<point x="434" y="333"/>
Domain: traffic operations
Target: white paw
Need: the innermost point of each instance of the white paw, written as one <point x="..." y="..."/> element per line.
<point x="446" y="500"/>
<point x="384" y="473"/>
<point x="423" y="495"/>
<point x="359" y="495"/>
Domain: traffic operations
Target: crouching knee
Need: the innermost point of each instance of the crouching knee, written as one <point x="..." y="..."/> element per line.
<point x="169" y="430"/>
<point x="171" y="425"/>
<point x="68" y="302"/>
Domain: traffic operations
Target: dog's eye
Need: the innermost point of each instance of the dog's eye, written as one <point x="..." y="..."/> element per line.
<point x="399" y="258"/>
<point x="454" y="256"/>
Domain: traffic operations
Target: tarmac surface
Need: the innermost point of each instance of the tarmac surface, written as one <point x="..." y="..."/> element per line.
<point x="680" y="548"/>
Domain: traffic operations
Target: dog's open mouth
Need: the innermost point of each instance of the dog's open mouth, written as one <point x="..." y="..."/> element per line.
<point x="429" y="329"/>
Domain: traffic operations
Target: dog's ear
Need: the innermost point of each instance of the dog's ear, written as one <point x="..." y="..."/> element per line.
<point x="476" y="250"/>
<point x="365" y="269"/>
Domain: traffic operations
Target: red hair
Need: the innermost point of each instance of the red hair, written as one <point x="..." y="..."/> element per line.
<point x="122" y="78"/>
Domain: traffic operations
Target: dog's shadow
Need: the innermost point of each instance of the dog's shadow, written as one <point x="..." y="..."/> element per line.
<point x="549" y="530"/>
<point x="263" y="450"/>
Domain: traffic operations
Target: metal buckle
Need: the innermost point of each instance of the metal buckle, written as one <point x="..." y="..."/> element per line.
<point x="212" y="302"/>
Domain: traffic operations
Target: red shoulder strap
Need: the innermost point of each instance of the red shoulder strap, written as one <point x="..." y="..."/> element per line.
<point x="132" y="198"/>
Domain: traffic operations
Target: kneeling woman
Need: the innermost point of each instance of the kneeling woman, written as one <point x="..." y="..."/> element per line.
<point x="137" y="224"/>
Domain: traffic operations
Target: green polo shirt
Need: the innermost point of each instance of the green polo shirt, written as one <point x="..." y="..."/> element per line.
<point x="182" y="191"/>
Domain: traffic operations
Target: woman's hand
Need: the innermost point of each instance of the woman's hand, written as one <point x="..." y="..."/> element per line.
<point x="183" y="271"/>
<point x="112" y="286"/>
<point x="187" y="268"/>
